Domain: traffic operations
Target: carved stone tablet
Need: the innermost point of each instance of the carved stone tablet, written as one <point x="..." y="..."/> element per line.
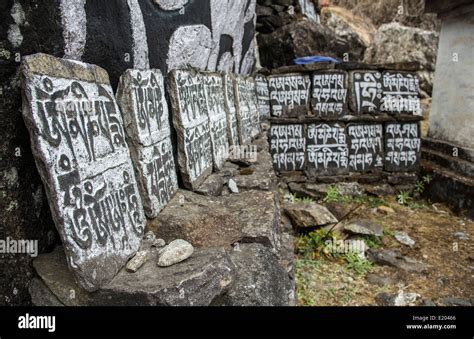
<point x="402" y="147"/>
<point x="254" y="112"/>
<point x="244" y="118"/>
<point x="365" y="91"/>
<point x="214" y="89"/>
<point x="141" y="97"/>
<point x="327" y="149"/>
<point x="78" y="141"/>
<point x="401" y="93"/>
<point x="288" y="147"/>
<point x="365" y="147"/>
<point x="229" y="100"/>
<point x="191" y="122"/>
<point x="329" y="94"/>
<point x="289" y="94"/>
<point x="263" y="96"/>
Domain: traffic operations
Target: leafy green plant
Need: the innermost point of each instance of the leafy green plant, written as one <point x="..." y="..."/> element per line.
<point x="332" y="195"/>
<point x="404" y="198"/>
<point x="313" y="244"/>
<point x="372" y="241"/>
<point x="358" y="264"/>
<point x="305" y="200"/>
<point x="421" y="184"/>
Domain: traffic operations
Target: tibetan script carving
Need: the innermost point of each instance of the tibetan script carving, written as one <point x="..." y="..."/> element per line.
<point x="289" y="94"/>
<point x="214" y="89"/>
<point x="229" y="100"/>
<point x="141" y="97"/>
<point x="327" y="149"/>
<point x="244" y="109"/>
<point x="191" y="122"/>
<point x="288" y="147"/>
<point x="78" y="140"/>
<point x="402" y="147"/>
<point x="365" y="147"/>
<point x="263" y="96"/>
<point x="400" y="93"/>
<point x="329" y="94"/>
<point x="366" y="91"/>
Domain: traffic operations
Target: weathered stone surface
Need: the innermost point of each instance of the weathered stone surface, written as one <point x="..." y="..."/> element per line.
<point x="366" y="147"/>
<point x="319" y="191"/>
<point x="380" y="280"/>
<point x="260" y="280"/>
<point x="404" y="238"/>
<point x="402" y="147"/>
<point x="395" y="43"/>
<point x="194" y="282"/>
<point x="289" y="94"/>
<point x="365" y="91"/>
<point x="137" y="261"/>
<point x="220" y="221"/>
<point x="212" y="186"/>
<point x="455" y="301"/>
<point x="328" y="153"/>
<point x="176" y="251"/>
<point x="41" y="295"/>
<point x="288" y="147"/>
<point x="364" y="227"/>
<point x="329" y="94"/>
<point x="85" y="164"/>
<point x="141" y="97"/>
<point x="261" y="177"/>
<point x="232" y="185"/>
<point x="396" y="259"/>
<point x="305" y="215"/>
<point x="191" y="122"/>
<point x="231" y="110"/>
<point x="214" y="90"/>
<point x="354" y="30"/>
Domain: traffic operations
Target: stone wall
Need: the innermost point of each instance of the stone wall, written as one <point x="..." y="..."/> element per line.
<point x="116" y="35"/>
<point x="354" y="122"/>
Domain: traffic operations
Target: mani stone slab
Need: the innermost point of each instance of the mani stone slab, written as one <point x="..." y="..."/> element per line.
<point x="329" y="94"/>
<point x="288" y="147"/>
<point x="244" y="118"/>
<point x="78" y="141"/>
<point x="289" y="94"/>
<point x="401" y="93"/>
<point x="214" y="89"/>
<point x="263" y="96"/>
<point x="365" y="91"/>
<point x="366" y="145"/>
<point x="402" y="147"/>
<point x="230" y="105"/>
<point x="327" y="149"/>
<point x="254" y="112"/>
<point x="191" y="122"/>
<point x="141" y="97"/>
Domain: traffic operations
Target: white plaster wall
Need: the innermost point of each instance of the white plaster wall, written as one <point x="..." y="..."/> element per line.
<point x="452" y="111"/>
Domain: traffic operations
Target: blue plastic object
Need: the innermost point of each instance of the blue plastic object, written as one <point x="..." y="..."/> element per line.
<point x="314" y="59"/>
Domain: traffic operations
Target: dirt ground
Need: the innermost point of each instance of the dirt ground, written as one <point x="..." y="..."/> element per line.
<point x="450" y="261"/>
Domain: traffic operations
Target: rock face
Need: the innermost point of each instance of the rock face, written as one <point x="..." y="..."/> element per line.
<point x="178" y="285"/>
<point x="353" y="30"/>
<point x="141" y="96"/>
<point x="176" y="251"/>
<point x="260" y="280"/>
<point x="85" y="165"/>
<point x="305" y="215"/>
<point x="394" y="43"/>
<point x="220" y="221"/>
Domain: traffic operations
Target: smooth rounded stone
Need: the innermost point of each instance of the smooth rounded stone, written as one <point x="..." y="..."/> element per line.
<point x="305" y="215"/>
<point x="404" y="238"/>
<point x="385" y="210"/>
<point x="176" y="251"/>
<point x="364" y="227"/>
<point x="159" y="243"/>
<point x="137" y="261"/>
